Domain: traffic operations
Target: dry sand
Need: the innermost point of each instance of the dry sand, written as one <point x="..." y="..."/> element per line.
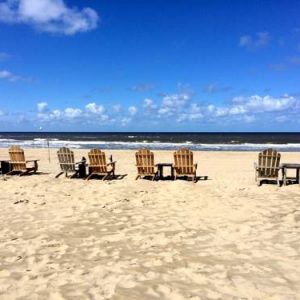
<point x="221" y="238"/>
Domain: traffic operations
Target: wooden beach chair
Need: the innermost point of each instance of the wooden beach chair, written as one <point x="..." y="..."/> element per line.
<point x="184" y="165"/>
<point x="267" y="167"/>
<point x="66" y="162"/>
<point x="145" y="164"/>
<point x="98" y="165"/>
<point x="18" y="162"/>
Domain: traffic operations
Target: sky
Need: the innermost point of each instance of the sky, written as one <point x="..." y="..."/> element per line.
<point x="151" y="65"/>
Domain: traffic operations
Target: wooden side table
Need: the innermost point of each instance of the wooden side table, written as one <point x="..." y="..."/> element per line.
<point x="160" y="169"/>
<point x="5" y="167"/>
<point x="285" y="166"/>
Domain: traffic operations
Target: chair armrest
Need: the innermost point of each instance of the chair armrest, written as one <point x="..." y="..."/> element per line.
<point x="32" y="160"/>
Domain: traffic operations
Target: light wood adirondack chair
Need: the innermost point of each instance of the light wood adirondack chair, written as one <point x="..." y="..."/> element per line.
<point x="98" y="165"/>
<point x="268" y="166"/>
<point x="19" y="163"/>
<point x="66" y="162"/>
<point x="145" y="164"/>
<point x="184" y="165"/>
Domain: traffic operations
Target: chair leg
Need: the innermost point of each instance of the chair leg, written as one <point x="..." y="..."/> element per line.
<point x="24" y="173"/>
<point x="278" y="182"/>
<point x="89" y="177"/>
<point x="137" y="177"/>
<point x="59" y="174"/>
<point x="105" y="176"/>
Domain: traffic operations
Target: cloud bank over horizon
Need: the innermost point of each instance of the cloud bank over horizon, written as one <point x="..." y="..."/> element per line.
<point x="178" y="108"/>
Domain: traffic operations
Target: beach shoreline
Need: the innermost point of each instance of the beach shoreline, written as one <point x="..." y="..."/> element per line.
<point x="220" y="238"/>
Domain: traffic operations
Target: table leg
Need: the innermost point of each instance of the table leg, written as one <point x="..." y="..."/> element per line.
<point x="35" y="166"/>
<point x="284" y="175"/>
<point x="172" y="172"/>
<point x="159" y="172"/>
<point x="297" y="176"/>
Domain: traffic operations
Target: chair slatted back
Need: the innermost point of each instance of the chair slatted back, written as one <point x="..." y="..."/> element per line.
<point x="66" y="159"/>
<point x="268" y="163"/>
<point x="183" y="159"/>
<point x="97" y="161"/>
<point x="145" y="162"/>
<point x="17" y="158"/>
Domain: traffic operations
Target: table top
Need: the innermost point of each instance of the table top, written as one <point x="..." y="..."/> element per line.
<point x="290" y="166"/>
<point x="164" y="165"/>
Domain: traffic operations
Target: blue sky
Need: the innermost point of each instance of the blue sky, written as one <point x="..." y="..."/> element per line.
<point x="172" y="65"/>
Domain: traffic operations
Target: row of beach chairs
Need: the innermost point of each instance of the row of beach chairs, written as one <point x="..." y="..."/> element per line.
<point x="98" y="165"/>
<point x="267" y="168"/>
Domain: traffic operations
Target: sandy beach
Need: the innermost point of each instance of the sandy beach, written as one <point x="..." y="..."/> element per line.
<point x="220" y="238"/>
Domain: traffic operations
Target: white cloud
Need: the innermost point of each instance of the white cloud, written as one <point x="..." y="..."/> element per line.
<point x="49" y="15"/>
<point x="260" y="40"/>
<point x="4" y="74"/>
<point x="42" y="107"/>
<point x="132" y="110"/>
<point x="125" y="121"/>
<point x="46" y="115"/>
<point x="72" y="113"/>
<point x="253" y="105"/>
<point x="149" y="104"/>
<point x="171" y="104"/>
<point x="92" y="113"/>
<point x="94" y="108"/>
<point x="189" y="117"/>
<point x="264" y="104"/>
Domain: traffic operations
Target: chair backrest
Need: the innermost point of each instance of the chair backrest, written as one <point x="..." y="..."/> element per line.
<point x="183" y="159"/>
<point x="268" y="163"/>
<point x="145" y="161"/>
<point x="66" y="159"/>
<point x="97" y="161"/>
<point x="17" y="158"/>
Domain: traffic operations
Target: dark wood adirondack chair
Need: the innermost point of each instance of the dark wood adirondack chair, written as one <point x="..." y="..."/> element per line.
<point x="98" y="165"/>
<point x="145" y="164"/>
<point x="66" y="162"/>
<point x="184" y="165"/>
<point x="18" y="162"/>
<point x="267" y="167"/>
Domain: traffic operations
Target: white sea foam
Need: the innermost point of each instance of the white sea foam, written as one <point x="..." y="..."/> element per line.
<point x="56" y="143"/>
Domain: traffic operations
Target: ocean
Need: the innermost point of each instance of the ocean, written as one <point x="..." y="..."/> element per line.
<point x="202" y="141"/>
